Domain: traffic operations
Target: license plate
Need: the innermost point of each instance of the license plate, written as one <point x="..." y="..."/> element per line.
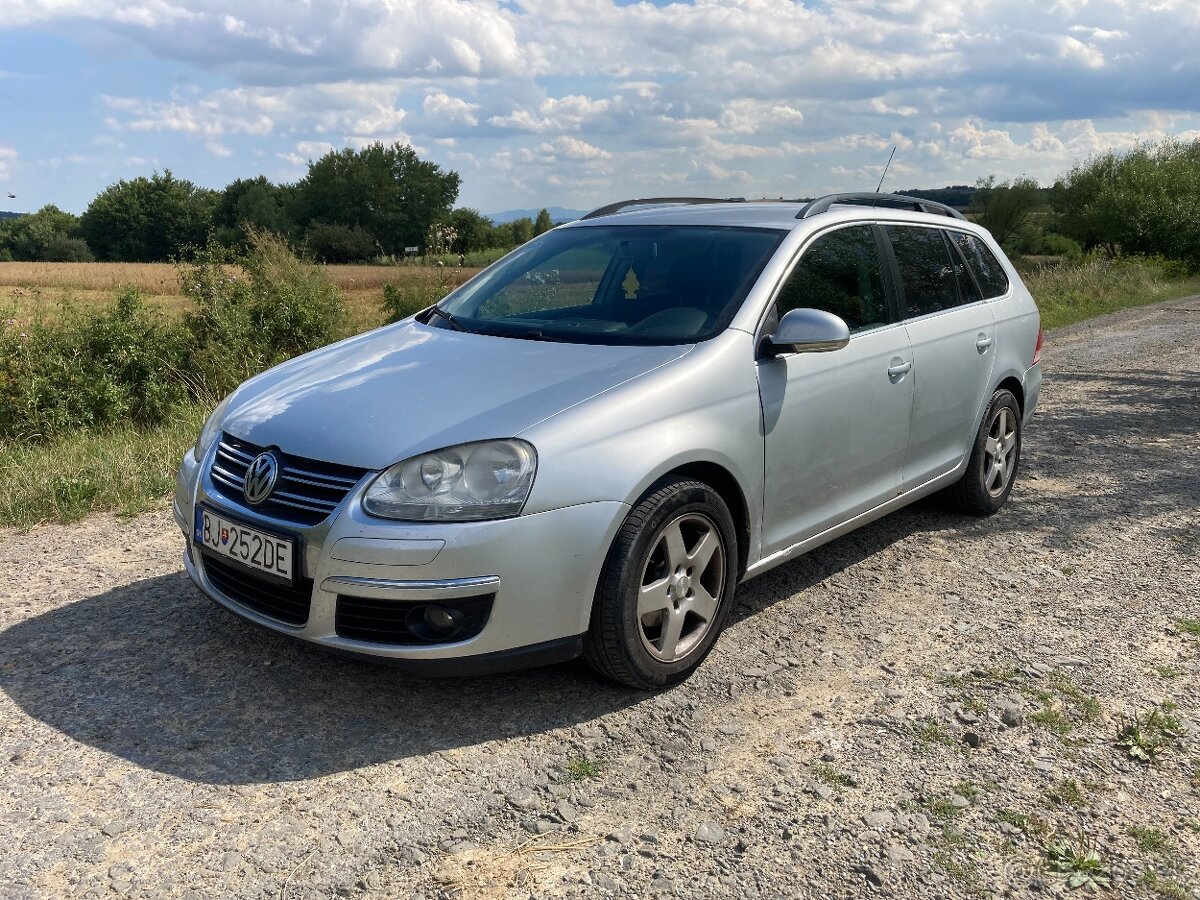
<point x="259" y="550"/>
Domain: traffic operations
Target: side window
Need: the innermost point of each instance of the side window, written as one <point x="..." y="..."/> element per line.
<point x="988" y="271"/>
<point x="966" y="285"/>
<point x="926" y="269"/>
<point x="840" y="274"/>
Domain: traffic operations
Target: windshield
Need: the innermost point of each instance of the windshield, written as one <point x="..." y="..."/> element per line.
<point x="656" y="284"/>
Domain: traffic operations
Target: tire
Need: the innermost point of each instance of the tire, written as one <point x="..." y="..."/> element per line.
<point x="678" y="521"/>
<point x="990" y="474"/>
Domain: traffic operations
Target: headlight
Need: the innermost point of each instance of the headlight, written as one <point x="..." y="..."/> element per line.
<point x="466" y="483"/>
<point x="211" y="429"/>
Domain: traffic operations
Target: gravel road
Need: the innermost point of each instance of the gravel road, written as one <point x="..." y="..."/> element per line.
<point x="929" y="706"/>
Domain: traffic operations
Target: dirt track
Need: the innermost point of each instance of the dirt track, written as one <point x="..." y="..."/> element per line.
<point x="153" y="745"/>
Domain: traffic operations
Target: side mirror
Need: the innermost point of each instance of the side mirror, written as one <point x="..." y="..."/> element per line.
<point x="807" y="331"/>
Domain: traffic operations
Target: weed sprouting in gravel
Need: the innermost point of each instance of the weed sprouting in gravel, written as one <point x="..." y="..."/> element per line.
<point x="1078" y="861"/>
<point x="1066" y="793"/>
<point x="940" y="807"/>
<point x="1053" y="720"/>
<point x="581" y="768"/>
<point x="929" y="732"/>
<point x="1169" y="673"/>
<point x="1188" y="626"/>
<point x="1149" y="735"/>
<point x="830" y="776"/>
<point x="1165" y="886"/>
<point x="1149" y="840"/>
<point x="1029" y="825"/>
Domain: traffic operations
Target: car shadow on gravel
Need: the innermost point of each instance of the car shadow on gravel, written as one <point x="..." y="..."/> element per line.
<point x="155" y="673"/>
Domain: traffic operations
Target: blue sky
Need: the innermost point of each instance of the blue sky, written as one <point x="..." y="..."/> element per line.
<point x="547" y="102"/>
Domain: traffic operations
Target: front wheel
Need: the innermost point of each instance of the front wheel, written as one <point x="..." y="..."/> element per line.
<point x="992" y="469"/>
<point x="666" y="587"/>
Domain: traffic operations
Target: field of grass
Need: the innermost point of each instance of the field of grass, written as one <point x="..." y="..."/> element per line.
<point x="31" y="289"/>
<point x="1071" y="292"/>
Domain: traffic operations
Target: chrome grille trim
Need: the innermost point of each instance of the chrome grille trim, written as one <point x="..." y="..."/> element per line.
<point x="305" y="495"/>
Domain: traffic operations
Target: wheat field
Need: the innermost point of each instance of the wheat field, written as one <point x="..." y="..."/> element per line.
<point x="30" y="289"/>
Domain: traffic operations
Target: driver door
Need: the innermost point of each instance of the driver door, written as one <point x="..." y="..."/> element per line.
<point x="836" y="423"/>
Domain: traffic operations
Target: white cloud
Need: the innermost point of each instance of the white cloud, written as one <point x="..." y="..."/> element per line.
<point x="600" y="99"/>
<point x="8" y="156"/>
<point x="450" y="109"/>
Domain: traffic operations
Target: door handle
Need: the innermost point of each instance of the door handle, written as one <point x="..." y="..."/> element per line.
<point x="897" y="371"/>
<point x="983" y="343"/>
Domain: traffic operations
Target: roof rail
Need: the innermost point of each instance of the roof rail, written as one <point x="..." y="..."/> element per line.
<point x="822" y="204"/>
<point x="657" y="201"/>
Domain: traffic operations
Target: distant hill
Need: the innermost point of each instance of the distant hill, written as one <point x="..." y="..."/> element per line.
<point x="10" y="215"/>
<point x="557" y="214"/>
<point x="956" y="195"/>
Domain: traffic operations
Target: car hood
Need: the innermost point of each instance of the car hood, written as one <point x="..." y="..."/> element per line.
<point x="386" y="395"/>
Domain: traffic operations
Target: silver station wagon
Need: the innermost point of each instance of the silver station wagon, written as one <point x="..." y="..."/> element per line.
<point x="586" y="447"/>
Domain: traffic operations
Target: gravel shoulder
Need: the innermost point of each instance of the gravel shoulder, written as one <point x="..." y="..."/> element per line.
<point x="929" y="706"/>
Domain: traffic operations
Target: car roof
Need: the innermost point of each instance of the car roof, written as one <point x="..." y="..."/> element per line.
<point x="775" y="214"/>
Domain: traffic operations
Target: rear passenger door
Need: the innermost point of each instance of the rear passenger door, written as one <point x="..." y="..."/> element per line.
<point x="952" y="334"/>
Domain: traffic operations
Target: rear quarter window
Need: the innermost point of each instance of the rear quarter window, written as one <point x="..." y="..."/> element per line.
<point x="993" y="282"/>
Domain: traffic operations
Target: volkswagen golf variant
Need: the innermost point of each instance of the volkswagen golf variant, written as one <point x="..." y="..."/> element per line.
<point x="585" y="448"/>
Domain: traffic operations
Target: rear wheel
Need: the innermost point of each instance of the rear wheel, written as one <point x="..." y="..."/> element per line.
<point x="666" y="587"/>
<point x="995" y="456"/>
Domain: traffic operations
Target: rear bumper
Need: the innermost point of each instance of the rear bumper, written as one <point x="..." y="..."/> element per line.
<point x="1032" y="384"/>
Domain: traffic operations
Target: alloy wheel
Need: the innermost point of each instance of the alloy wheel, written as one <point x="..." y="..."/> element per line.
<point x="1000" y="453"/>
<point x="681" y="585"/>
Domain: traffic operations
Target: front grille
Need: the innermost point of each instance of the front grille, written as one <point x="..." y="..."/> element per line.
<point x="387" y="621"/>
<point x="307" y="491"/>
<point x="287" y="604"/>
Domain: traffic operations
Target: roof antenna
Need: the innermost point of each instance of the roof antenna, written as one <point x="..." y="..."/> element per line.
<point x="885" y="171"/>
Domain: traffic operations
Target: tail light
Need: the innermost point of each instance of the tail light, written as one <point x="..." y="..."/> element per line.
<point x="1037" y="350"/>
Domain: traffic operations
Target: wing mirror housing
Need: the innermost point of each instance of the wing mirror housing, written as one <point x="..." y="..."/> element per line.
<point x="807" y="331"/>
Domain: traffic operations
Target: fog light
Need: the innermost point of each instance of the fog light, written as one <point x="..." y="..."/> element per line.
<point x="435" y="622"/>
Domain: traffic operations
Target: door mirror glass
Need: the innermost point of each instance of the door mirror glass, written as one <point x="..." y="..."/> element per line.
<point x="808" y="331"/>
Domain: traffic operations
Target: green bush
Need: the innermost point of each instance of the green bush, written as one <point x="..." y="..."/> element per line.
<point x="134" y="365"/>
<point x="339" y="244"/>
<point x="90" y="370"/>
<point x="67" y="249"/>
<point x="275" y="307"/>
<point x="423" y="290"/>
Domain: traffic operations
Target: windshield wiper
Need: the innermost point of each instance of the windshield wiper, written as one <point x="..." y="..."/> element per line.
<point x="450" y="318"/>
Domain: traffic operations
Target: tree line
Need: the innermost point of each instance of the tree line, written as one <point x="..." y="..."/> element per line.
<point x="355" y="205"/>
<point x="352" y="205"/>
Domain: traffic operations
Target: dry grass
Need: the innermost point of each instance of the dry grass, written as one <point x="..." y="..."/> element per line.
<point x="34" y="288"/>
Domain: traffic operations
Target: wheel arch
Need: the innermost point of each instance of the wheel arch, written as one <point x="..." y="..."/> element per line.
<point x="1013" y="384"/>
<point x="730" y="490"/>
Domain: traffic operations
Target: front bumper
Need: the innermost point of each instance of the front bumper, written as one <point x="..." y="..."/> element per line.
<point x="540" y="569"/>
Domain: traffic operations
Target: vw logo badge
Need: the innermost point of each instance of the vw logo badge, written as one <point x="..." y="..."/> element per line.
<point x="260" y="478"/>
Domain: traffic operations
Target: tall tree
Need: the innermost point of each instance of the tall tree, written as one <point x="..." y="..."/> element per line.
<point x="48" y="235"/>
<point x="253" y="204"/>
<point x="1002" y="208"/>
<point x="474" y="230"/>
<point x="521" y="230"/>
<point x="1146" y="200"/>
<point x="542" y="223"/>
<point x="148" y="219"/>
<point x="387" y="191"/>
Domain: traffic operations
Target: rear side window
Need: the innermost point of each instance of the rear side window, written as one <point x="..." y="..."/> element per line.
<point x="840" y="274"/>
<point x="988" y="271"/>
<point x="926" y="269"/>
